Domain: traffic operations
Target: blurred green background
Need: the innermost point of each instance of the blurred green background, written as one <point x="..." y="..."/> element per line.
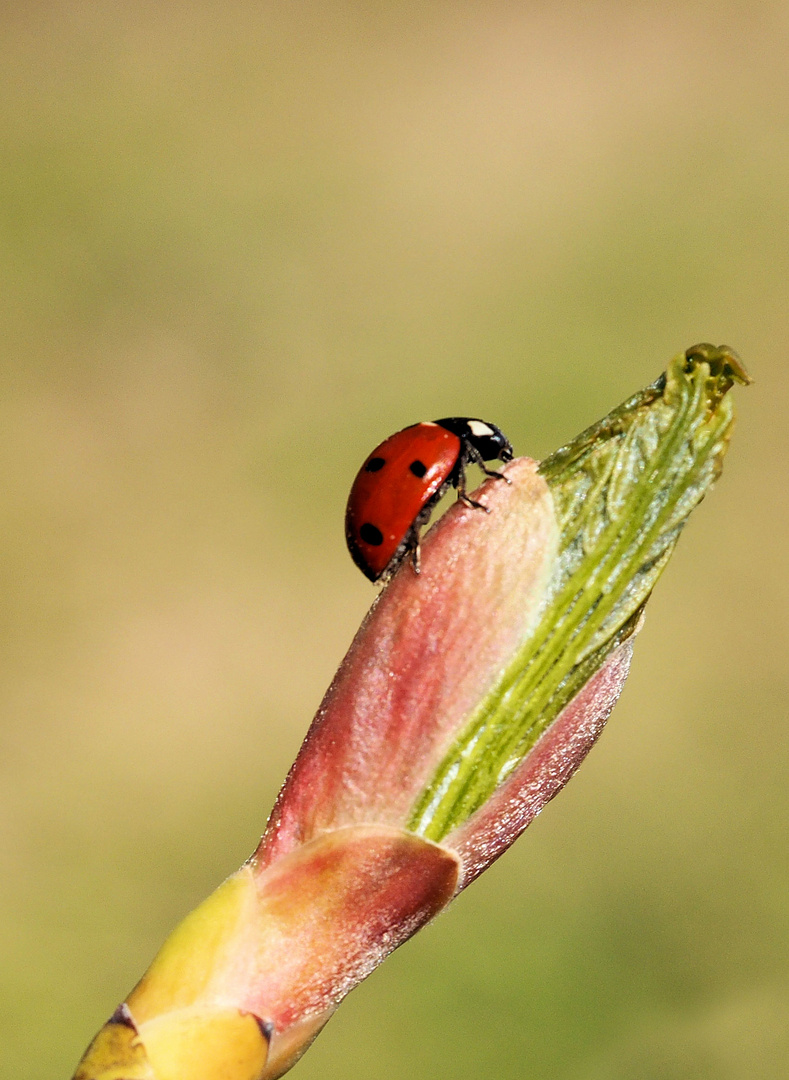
<point x="240" y="243"/>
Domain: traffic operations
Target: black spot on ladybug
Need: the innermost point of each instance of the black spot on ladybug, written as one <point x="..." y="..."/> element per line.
<point x="374" y="464"/>
<point x="418" y="468"/>
<point x="371" y="535"/>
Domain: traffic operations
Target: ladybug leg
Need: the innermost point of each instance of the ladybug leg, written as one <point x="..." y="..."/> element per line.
<point x="476" y="457"/>
<point x="410" y="546"/>
<point x="497" y="475"/>
<point x="462" y="496"/>
<point x="412" y="539"/>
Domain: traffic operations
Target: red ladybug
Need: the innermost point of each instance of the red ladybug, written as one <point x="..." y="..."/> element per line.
<point x="403" y="479"/>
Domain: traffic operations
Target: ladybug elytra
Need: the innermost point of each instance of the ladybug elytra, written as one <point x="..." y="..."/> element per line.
<point x="402" y="480"/>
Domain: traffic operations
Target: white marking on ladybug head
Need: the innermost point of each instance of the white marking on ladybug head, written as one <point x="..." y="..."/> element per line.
<point x="480" y="429"/>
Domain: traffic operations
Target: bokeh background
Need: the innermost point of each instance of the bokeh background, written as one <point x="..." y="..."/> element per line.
<point x="242" y="242"/>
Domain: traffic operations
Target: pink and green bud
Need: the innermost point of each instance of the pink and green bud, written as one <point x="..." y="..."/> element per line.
<point x="468" y="698"/>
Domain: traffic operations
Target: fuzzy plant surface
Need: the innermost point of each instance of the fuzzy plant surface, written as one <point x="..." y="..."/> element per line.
<point x="468" y="698"/>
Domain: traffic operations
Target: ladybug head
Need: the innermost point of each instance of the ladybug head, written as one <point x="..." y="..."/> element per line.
<point x="489" y="441"/>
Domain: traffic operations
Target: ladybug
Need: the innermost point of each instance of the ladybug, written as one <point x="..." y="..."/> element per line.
<point x="402" y="480"/>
